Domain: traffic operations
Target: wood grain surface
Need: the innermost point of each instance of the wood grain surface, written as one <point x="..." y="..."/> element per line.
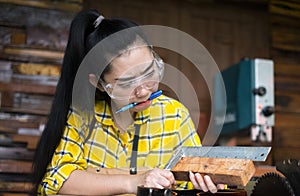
<point x="233" y="172"/>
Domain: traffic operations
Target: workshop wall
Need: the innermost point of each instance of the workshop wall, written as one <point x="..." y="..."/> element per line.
<point x="285" y="51"/>
<point x="33" y="36"/>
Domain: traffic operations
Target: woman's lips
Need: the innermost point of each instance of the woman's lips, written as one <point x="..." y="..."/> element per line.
<point x="141" y="104"/>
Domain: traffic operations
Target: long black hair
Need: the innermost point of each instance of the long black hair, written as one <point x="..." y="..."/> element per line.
<point x="83" y="36"/>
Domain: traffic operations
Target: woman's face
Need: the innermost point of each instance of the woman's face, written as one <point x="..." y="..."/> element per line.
<point x="133" y="77"/>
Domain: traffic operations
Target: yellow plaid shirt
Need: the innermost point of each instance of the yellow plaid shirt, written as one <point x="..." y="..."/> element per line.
<point x="164" y="126"/>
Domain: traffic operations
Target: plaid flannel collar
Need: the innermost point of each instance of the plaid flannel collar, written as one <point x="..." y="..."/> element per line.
<point x="103" y="114"/>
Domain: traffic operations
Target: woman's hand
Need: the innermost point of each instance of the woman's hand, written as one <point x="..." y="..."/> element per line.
<point x="157" y="178"/>
<point x="204" y="183"/>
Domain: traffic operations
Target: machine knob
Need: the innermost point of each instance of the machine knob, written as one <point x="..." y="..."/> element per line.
<point x="260" y="91"/>
<point x="268" y="111"/>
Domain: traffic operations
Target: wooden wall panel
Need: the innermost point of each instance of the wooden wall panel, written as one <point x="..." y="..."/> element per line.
<point x="287" y="70"/>
<point x="285" y="38"/>
<point x="288" y="21"/>
<point x="283" y="139"/>
<point x="65" y="5"/>
<point x="285" y="153"/>
<point x="287" y="120"/>
<point x="287" y="102"/>
<point x="143" y="12"/>
<point x="289" y="8"/>
<point x="230" y="35"/>
<point x="285" y="51"/>
<point x="233" y="33"/>
<point x="291" y="84"/>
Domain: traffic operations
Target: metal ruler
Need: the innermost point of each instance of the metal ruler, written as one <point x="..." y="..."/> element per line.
<point x="237" y="152"/>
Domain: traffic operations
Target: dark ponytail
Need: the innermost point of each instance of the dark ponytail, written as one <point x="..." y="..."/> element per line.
<point x="81" y="26"/>
<point x="83" y="36"/>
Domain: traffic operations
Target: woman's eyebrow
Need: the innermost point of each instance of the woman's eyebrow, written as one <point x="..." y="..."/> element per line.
<point x="133" y="77"/>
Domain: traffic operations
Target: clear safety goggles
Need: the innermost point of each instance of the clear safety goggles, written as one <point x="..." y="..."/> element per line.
<point x="121" y="90"/>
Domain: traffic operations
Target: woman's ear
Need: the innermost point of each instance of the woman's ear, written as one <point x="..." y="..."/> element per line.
<point x="94" y="81"/>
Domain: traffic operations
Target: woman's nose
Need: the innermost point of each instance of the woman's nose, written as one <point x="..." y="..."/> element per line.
<point x="141" y="91"/>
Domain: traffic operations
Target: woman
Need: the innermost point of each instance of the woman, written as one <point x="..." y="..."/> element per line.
<point x="89" y="148"/>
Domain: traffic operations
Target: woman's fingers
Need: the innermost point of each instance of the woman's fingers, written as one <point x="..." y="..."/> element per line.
<point x="210" y="185"/>
<point x="193" y="180"/>
<point x="201" y="182"/>
<point x="204" y="183"/>
<point x="198" y="181"/>
<point x="158" y="178"/>
<point x="169" y="175"/>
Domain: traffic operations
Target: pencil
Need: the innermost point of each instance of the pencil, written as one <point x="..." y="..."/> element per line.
<point x="131" y="105"/>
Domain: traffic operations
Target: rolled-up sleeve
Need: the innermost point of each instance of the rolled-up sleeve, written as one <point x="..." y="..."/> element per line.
<point x="68" y="156"/>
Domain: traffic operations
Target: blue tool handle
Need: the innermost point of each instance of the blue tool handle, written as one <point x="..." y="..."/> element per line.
<point x="155" y="94"/>
<point x="131" y="105"/>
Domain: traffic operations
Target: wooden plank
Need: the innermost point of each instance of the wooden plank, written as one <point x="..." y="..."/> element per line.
<point x="287" y="120"/>
<point x="287" y="101"/>
<point x="15" y="177"/>
<point x="16" y="153"/>
<point x="284" y="21"/>
<point x="286" y="137"/>
<point x="14" y="194"/>
<point x="285" y="38"/>
<point x="288" y="70"/>
<point x="285" y="153"/>
<point x="285" y="57"/>
<point x="12" y="25"/>
<point x="242" y="2"/>
<point x="8" y="129"/>
<point x="7" y="99"/>
<point x="57" y="5"/>
<point x="18" y="37"/>
<point x="234" y="172"/>
<point x="32" y="54"/>
<point x="283" y="7"/>
<point x="25" y="86"/>
<point x="75" y="1"/>
<point x="21" y="121"/>
<point x="287" y="84"/>
<point x="16" y="186"/>
<point x="26" y="103"/>
<point x="31" y="140"/>
<point x="27" y="110"/>
<point x="13" y="166"/>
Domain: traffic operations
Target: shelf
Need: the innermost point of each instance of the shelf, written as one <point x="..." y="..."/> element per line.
<point x="13" y="123"/>
<point x="12" y="166"/>
<point x="35" y="111"/>
<point x="16" y="153"/>
<point x="28" y="86"/>
<point x="69" y="6"/>
<point x="30" y="140"/>
<point x="32" y="54"/>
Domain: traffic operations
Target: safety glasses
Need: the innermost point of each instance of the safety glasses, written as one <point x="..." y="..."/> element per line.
<point x="149" y="80"/>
